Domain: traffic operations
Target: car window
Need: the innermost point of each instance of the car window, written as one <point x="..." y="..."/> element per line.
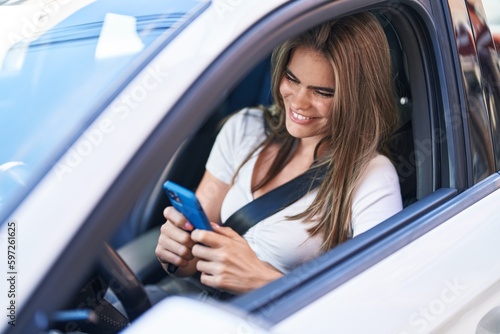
<point x="492" y="10"/>
<point x="52" y="79"/>
<point x="489" y="53"/>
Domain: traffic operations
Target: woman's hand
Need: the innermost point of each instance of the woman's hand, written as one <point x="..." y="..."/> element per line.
<point x="175" y="243"/>
<point x="227" y="262"/>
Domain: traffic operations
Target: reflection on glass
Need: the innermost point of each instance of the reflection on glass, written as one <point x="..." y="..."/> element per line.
<point x="118" y="37"/>
<point x="490" y="70"/>
<point x="468" y="26"/>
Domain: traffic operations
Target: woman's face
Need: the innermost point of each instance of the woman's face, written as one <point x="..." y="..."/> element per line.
<point x="307" y="88"/>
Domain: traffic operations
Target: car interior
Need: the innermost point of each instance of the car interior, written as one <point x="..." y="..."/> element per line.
<point x="418" y="162"/>
<point x="187" y="167"/>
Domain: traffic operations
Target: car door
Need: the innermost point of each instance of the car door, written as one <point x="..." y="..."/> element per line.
<point x="433" y="267"/>
<point x="426" y="268"/>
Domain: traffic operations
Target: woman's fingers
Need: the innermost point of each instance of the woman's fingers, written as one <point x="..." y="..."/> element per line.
<point x="227" y="231"/>
<point x="207" y="253"/>
<point x="226" y="261"/>
<point x="176" y="218"/>
<point x="174" y="245"/>
<point x="216" y="238"/>
<point x="208" y="267"/>
<point x="171" y="251"/>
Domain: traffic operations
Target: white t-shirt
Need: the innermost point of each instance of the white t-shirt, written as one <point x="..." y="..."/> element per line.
<point x="284" y="243"/>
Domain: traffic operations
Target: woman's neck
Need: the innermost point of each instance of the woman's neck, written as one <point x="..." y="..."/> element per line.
<point x="307" y="148"/>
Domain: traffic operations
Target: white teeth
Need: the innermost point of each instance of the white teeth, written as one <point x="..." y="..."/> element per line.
<point x="300" y="117"/>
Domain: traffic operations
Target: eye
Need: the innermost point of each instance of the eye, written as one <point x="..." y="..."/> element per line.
<point x="324" y="94"/>
<point x="290" y="78"/>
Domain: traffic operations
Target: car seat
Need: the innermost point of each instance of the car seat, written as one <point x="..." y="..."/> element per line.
<point x="401" y="145"/>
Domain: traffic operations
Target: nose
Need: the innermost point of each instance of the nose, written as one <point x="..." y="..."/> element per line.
<point x="300" y="99"/>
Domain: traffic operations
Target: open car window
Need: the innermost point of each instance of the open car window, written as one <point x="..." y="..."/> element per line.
<point x="423" y="176"/>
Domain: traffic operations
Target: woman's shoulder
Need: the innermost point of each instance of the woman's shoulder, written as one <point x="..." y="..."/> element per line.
<point x="246" y="121"/>
<point x="245" y="128"/>
<point x="248" y="115"/>
<point x="380" y="161"/>
<point x="380" y="171"/>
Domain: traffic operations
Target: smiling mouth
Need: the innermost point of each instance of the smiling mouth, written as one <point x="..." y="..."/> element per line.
<point x="301" y="117"/>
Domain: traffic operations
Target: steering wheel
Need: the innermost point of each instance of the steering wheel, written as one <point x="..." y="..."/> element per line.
<point x="95" y="314"/>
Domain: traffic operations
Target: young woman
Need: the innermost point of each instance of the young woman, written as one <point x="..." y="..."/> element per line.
<point x="334" y="106"/>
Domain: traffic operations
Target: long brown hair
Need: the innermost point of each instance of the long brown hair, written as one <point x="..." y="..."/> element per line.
<point x="363" y="116"/>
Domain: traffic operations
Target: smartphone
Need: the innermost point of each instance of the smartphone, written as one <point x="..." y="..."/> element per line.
<point x="185" y="201"/>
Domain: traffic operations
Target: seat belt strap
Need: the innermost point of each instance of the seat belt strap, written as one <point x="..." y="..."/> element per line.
<point x="275" y="200"/>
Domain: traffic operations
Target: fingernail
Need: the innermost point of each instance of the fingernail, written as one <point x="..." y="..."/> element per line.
<point x="188" y="226"/>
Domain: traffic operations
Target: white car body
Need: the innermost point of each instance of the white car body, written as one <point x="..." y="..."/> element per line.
<point x="441" y="278"/>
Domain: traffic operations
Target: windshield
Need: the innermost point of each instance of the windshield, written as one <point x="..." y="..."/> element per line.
<point x="59" y="65"/>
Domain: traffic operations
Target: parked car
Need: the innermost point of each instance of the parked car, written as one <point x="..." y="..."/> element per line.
<point x="99" y="110"/>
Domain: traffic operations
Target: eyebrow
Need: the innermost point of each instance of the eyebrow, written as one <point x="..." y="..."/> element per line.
<point x="326" y="89"/>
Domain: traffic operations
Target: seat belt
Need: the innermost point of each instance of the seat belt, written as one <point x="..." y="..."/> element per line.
<point x="275" y="200"/>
